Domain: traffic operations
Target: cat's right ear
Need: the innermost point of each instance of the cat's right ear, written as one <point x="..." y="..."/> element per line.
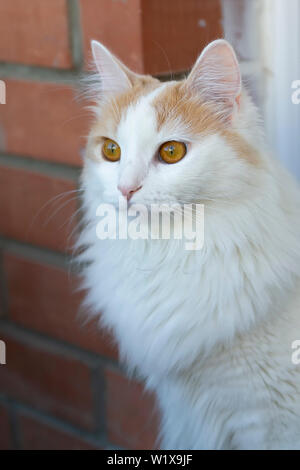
<point x="113" y="74"/>
<point x="216" y="77"/>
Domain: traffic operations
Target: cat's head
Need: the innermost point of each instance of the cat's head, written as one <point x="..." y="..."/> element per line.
<point x="165" y="142"/>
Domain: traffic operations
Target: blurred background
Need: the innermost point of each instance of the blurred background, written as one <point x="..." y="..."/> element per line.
<point x="62" y="386"/>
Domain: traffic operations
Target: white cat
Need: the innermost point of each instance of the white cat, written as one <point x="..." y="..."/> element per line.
<point x="210" y="330"/>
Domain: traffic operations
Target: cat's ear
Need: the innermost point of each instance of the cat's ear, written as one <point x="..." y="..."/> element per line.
<point x="113" y="74"/>
<point x="216" y="76"/>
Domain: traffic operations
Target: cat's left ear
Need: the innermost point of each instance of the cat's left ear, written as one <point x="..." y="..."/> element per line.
<point x="216" y="77"/>
<point x="114" y="75"/>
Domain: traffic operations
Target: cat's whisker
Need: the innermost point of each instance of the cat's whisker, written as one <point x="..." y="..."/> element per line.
<point x="73" y="118"/>
<point x="53" y="200"/>
<point x="59" y="209"/>
<point x="70" y="220"/>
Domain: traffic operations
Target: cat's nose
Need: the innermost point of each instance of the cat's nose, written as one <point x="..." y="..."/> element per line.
<point x="128" y="191"/>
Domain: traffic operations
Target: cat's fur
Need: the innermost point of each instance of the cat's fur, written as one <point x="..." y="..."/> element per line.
<point x="210" y="330"/>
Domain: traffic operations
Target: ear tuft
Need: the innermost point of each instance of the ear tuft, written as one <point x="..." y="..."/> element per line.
<point x="216" y="76"/>
<point x="113" y="76"/>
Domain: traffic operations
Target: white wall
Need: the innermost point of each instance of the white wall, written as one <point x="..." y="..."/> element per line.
<point x="266" y="36"/>
<point x="280" y="57"/>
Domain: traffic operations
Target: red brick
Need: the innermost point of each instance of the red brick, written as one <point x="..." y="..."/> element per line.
<point x="35" y="32"/>
<point x="43" y="120"/>
<point x="27" y="213"/>
<point x="59" y="385"/>
<point x="118" y="25"/>
<point x="172" y="33"/>
<point x="36" y="435"/>
<point x="42" y="297"/>
<point x="132" y="418"/>
<point x="5" y="430"/>
<point x="152" y="36"/>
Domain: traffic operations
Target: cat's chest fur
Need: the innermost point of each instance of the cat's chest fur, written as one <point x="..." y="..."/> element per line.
<point x="170" y="318"/>
<point x="151" y="298"/>
<point x="168" y="308"/>
<point x="167" y="305"/>
<point x="165" y="314"/>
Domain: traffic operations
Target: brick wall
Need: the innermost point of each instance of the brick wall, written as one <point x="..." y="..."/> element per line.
<point x="62" y="386"/>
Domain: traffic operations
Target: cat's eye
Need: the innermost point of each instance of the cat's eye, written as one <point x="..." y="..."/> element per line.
<point x="111" y="150"/>
<point x="172" y="151"/>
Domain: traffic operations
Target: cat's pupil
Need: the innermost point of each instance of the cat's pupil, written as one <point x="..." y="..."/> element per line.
<point x="112" y="147"/>
<point x="171" y="150"/>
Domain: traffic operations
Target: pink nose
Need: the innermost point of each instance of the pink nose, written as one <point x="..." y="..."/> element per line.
<point x="128" y="191"/>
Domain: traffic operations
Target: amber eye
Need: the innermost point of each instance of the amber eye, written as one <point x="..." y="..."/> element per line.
<point x="111" y="150"/>
<point x="172" y="152"/>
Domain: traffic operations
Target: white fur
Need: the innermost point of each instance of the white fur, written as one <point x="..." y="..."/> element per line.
<point x="210" y="330"/>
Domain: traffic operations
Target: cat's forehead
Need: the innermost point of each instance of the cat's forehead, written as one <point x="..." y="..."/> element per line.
<point x="139" y="118"/>
<point x="167" y="109"/>
<point x="155" y="109"/>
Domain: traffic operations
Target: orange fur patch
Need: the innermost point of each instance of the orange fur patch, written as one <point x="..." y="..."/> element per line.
<point x="199" y="119"/>
<point x="176" y="101"/>
<point x="242" y="148"/>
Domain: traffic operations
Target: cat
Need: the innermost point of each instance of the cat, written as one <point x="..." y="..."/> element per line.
<point x="210" y="330"/>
